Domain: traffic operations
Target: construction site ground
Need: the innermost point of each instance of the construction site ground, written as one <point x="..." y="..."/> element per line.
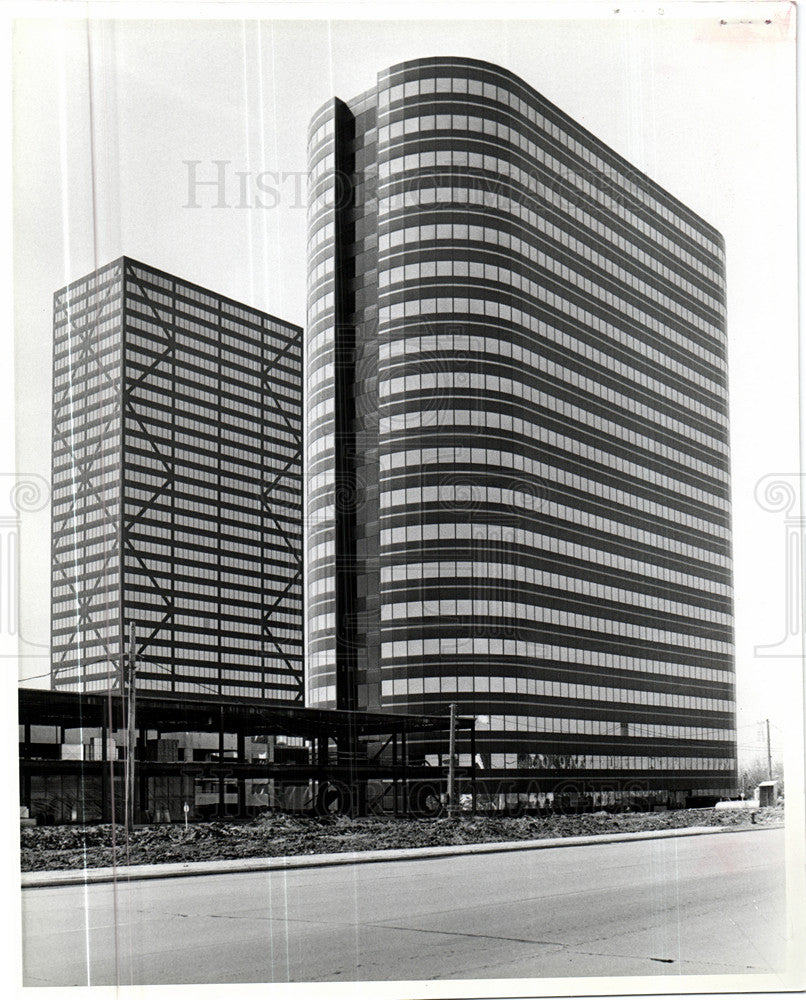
<point x="59" y="848"/>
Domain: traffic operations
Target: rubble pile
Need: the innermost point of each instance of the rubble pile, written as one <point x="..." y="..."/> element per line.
<point x="52" y="848"/>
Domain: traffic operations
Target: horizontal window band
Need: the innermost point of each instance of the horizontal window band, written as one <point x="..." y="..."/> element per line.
<point x="448" y="502"/>
<point x="515" y="563"/>
<point x="446" y="106"/>
<point x="515" y="661"/>
<point x="688" y="289"/>
<point x="416" y="612"/>
<point x="548" y="368"/>
<point x="674" y="361"/>
<point x="464" y="162"/>
<point x="441" y="358"/>
<point x="436" y="427"/>
<point x="556" y="412"/>
<point x="564" y="697"/>
<point x="537" y="313"/>
<point x="550" y="118"/>
<point x="560" y="600"/>
<point x="542" y="210"/>
<point x="504" y="466"/>
<point x="708" y="334"/>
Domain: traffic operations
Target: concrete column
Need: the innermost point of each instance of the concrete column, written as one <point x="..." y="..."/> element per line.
<point x="241" y="754"/>
<point x="222" y="804"/>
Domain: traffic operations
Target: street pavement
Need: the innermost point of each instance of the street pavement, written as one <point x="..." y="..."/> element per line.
<point x="706" y="905"/>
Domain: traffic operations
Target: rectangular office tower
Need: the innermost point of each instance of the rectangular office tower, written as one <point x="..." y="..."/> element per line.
<point x="517" y="420"/>
<point x="177" y="486"/>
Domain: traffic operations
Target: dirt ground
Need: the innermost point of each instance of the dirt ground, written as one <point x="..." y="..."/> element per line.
<point x="275" y="835"/>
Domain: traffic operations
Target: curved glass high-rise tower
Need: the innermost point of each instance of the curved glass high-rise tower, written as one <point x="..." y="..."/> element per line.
<point x="517" y="436"/>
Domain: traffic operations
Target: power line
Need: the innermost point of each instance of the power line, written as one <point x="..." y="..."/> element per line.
<point x="33" y="677"/>
<point x="157" y="666"/>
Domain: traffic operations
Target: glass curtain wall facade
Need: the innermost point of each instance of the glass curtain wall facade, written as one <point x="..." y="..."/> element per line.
<point x="177" y="488"/>
<point x="517" y="442"/>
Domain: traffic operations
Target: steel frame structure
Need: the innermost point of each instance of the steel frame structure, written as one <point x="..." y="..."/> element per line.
<point x="336" y="761"/>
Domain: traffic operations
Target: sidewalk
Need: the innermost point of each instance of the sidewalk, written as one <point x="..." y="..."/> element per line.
<point x="93" y="876"/>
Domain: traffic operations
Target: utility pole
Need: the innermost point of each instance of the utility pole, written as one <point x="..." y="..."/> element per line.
<point x="769" y="754"/>
<point x="131" y="787"/>
<point x="452" y="763"/>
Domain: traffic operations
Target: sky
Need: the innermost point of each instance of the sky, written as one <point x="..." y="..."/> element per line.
<point x="112" y="116"/>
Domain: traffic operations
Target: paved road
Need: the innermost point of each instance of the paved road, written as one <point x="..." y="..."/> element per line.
<point x="693" y="905"/>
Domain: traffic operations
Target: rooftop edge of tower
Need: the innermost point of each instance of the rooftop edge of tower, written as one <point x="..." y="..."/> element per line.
<point x="512" y="78"/>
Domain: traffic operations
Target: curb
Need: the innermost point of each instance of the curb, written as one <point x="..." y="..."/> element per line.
<point x="132" y="873"/>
